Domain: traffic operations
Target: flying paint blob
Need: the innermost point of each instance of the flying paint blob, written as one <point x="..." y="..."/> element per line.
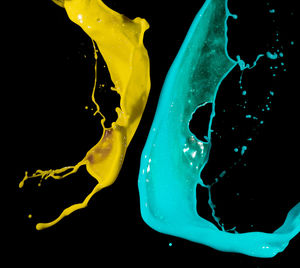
<point x="173" y="157"/>
<point x="120" y="41"/>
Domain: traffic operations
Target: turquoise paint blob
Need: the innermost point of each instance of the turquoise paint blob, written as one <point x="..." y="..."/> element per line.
<point x="243" y="150"/>
<point x="173" y="157"/>
<point x="272" y="56"/>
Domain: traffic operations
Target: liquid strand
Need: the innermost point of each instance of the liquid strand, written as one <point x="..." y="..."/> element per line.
<point x="120" y="41"/>
<point x="173" y="157"/>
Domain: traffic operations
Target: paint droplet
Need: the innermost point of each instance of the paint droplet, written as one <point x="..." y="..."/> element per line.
<point x="272" y="56"/>
<point x="222" y="174"/>
<point x="244" y="148"/>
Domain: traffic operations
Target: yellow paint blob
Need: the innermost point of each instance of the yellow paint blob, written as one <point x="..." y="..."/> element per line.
<point x="120" y="41"/>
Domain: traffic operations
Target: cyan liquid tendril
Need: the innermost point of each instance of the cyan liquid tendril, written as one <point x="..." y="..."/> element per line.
<point x="173" y="157"/>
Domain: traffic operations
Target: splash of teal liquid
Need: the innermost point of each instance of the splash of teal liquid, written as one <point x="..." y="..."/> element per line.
<point x="173" y="157"/>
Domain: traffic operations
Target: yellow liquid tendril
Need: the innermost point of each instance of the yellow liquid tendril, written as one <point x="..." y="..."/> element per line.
<point x="120" y="41"/>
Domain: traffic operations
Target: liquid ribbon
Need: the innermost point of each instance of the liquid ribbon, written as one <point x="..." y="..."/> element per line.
<point x="173" y="157"/>
<point x="120" y="41"/>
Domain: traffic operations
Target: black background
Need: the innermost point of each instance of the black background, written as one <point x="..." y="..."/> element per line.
<point x="50" y="73"/>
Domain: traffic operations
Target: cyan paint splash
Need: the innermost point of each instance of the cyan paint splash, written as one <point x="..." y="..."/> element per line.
<point x="173" y="157"/>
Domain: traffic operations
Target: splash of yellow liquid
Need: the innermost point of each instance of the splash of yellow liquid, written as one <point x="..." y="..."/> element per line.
<point x="120" y="41"/>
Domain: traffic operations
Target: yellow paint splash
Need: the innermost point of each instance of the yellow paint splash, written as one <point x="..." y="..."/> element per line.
<point x="120" y="41"/>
